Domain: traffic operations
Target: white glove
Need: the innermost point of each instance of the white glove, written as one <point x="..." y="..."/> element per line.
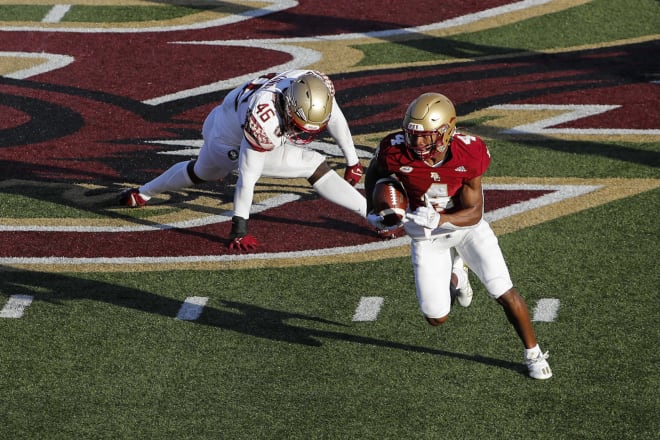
<point x="425" y="216"/>
<point x="377" y="222"/>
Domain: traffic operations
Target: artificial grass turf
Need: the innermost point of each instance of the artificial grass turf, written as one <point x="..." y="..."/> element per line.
<point x="575" y="26"/>
<point x="275" y="353"/>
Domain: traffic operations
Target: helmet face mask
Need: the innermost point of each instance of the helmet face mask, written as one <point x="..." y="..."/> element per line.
<point x="308" y="106"/>
<point x="425" y="144"/>
<point x="298" y="135"/>
<point x="429" y="125"/>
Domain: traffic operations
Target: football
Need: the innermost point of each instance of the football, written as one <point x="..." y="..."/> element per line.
<point x="390" y="200"/>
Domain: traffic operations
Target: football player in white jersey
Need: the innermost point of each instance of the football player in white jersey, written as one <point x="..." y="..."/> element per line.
<point x="258" y="129"/>
<point x="441" y="171"/>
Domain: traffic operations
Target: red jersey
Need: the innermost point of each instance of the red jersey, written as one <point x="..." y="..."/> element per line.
<point x="467" y="158"/>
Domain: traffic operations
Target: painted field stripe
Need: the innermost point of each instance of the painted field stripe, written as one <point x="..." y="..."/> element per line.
<point x="15" y="306"/>
<point x="368" y="308"/>
<point x="257" y="207"/>
<point x="546" y="310"/>
<point x="191" y="308"/>
<point x="56" y="14"/>
<point x="272" y="6"/>
<point x="571" y="112"/>
<point x="45" y="63"/>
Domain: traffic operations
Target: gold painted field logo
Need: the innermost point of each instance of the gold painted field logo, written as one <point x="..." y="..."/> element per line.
<point x="533" y="201"/>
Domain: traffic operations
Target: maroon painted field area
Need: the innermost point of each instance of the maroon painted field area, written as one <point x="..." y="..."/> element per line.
<point x="93" y="121"/>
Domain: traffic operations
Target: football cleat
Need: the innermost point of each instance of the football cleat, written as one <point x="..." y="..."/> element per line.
<point x="538" y="366"/>
<point x="132" y="198"/>
<point x="464" y="289"/>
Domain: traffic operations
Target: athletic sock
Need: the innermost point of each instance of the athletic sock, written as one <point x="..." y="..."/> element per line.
<point x="530" y="352"/>
<point x="173" y="179"/>
<point x="335" y="189"/>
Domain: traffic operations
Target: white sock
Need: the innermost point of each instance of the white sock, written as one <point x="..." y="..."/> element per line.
<point x="531" y="352"/>
<point x="460" y="275"/>
<point x="335" y="189"/>
<point x="173" y="179"/>
<point x="456" y="260"/>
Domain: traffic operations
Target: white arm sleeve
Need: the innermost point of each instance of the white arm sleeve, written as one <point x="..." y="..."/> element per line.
<point x="250" y="166"/>
<point x="339" y="130"/>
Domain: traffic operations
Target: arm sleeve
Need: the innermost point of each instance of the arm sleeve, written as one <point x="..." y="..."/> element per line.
<point x="250" y="167"/>
<point x="339" y="130"/>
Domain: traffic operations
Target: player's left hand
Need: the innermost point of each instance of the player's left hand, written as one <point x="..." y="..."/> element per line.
<point x="382" y="230"/>
<point x="376" y="221"/>
<point x="354" y="173"/>
<point x="425" y="216"/>
<point x="247" y="242"/>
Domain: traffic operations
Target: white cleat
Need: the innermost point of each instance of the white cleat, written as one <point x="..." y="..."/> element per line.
<point x="538" y="366"/>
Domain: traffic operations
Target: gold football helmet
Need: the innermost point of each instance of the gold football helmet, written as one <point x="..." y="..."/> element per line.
<point x="430" y="115"/>
<point x="308" y="104"/>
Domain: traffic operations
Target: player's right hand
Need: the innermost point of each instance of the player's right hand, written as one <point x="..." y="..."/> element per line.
<point x="425" y="216"/>
<point x="354" y="173"/>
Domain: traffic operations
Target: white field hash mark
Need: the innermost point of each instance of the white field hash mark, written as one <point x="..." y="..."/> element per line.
<point x="56" y="14"/>
<point x="191" y="308"/>
<point x="368" y="308"/>
<point x="546" y="310"/>
<point x="15" y="306"/>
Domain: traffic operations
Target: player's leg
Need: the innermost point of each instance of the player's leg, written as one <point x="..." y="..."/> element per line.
<point x="216" y="159"/>
<point x="294" y="162"/>
<point x="209" y="166"/>
<point x="460" y="280"/>
<point x="432" y="269"/>
<point x="174" y="178"/>
<point x="482" y="253"/>
<point x="178" y="176"/>
<point x="334" y="188"/>
<point x="517" y="313"/>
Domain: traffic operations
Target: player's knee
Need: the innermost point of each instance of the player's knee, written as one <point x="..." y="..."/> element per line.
<point x="509" y="298"/>
<point x="437" y="321"/>
<point x="190" y="168"/>
<point x="319" y="172"/>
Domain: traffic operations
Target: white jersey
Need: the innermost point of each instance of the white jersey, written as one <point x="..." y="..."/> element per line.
<point x="246" y="132"/>
<point x="251" y="121"/>
<point x="265" y="121"/>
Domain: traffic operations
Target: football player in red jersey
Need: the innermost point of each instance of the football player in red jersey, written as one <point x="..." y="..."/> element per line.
<point x="258" y="129"/>
<point x="442" y="171"/>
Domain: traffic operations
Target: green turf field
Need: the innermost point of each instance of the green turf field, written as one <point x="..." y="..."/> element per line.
<point x="275" y="353"/>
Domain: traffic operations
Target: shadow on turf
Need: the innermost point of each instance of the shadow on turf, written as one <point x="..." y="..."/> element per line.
<point x="234" y="316"/>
